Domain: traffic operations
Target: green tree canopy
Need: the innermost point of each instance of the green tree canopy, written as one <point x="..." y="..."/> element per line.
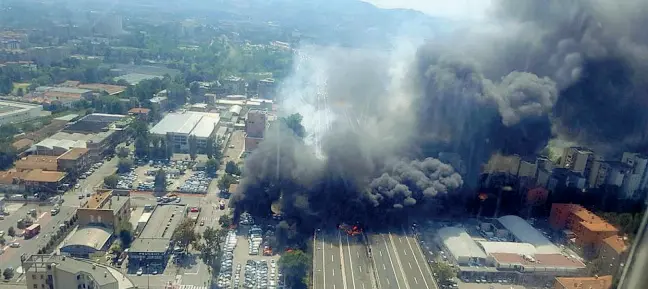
<point x="295" y="265"/>
<point x="111" y="181"/>
<point x="160" y="181"/>
<point x="293" y="122"/>
<point x="184" y="235"/>
<point x="211" y="166"/>
<point x="124" y="165"/>
<point x="232" y="168"/>
<point x="225" y="181"/>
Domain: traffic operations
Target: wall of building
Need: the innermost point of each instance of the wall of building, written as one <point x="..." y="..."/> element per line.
<point x="21" y="115"/>
<point x="255" y="124"/>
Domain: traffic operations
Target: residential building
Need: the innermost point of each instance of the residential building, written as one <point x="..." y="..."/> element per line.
<point x="63" y="272"/>
<point x="578" y="159"/>
<point x="103" y="209"/>
<point x="43" y="181"/>
<point x="596" y="282"/>
<point x="266" y="88"/>
<point x="589" y="229"/>
<point x="637" y="179"/>
<point x="74" y="162"/>
<point x="255" y="127"/>
<point x="13" y="112"/>
<point x="109" y="89"/>
<point x="34" y="162"/>
<point x="566" y="178"/>
<point x="613" y="254"/>
<point x="235" y="85"/>
<point x="12" y="181"/>
<point x="140" y="112"/>
<point x="608" y="173"/>
<point x="160" y="101"/>
<point x="179" y="127"/>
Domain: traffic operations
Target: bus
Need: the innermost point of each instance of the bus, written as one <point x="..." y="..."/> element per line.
<point x="32" y="231"/>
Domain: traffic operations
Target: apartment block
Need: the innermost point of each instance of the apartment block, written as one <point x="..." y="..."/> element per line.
<point x="590" y="230"/>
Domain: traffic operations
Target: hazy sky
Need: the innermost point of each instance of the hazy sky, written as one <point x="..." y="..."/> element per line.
<point x="453" y="9"/>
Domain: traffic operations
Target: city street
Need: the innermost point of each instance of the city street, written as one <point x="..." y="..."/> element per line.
<point x="399" y="261"/>
<point x="340" y="261"/>
<point x="88" y="185"/>
<point x="49" y="225"/>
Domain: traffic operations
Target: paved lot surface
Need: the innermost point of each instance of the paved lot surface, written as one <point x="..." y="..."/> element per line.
<point x="241" y="254"/>
<point x="341" y="261"/>
<point x="399" y="262"/>
<point x="49" y="225"/>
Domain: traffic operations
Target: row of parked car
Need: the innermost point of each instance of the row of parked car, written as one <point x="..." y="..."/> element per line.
<point x="225" y="274"/>
<point x="197" y="183"/>
<point x="255" y="240"/>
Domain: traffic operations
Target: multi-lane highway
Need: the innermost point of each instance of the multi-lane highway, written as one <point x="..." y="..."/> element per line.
<point x="340" y="261"/>
<point x="399" y="261"/>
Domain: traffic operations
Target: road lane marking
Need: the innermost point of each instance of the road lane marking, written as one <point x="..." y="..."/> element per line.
<point x="331" y="258"/>
<point x="358" y="254"/>
<point x="398" y="262"/>
<point x="380" y="253"/>
<point x="384" y="268"/>
<point x="410" y="264"/>
<point x="405" y="252"/>
<point x="391" y="262"/>
<point x="400" y="239"/>
<point x="387" y="281"/>
<point x="333" y="272"/>
<point x="415" y="280"/>
<point x="324" y="264"/>
<point x="344" y="284"/>
<point x="350" y="262"/>
<point x="363" y="287"/>
<point x="418" y="265"/>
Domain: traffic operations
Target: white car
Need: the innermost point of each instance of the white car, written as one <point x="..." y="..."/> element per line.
<point x="140" y="271"/>
<point x="15" y="245"/>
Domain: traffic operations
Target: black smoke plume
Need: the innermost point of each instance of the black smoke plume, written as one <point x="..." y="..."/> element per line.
<point x="536" y="70"/>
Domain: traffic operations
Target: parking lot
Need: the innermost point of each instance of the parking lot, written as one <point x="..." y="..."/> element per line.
<point x="10" y="256"/>
<point x="256" y="269"/>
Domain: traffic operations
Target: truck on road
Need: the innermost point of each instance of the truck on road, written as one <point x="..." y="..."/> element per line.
<point x="32" y="231"/>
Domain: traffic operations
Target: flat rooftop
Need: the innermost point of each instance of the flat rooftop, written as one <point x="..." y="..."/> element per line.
<point x="199" y="124"/>
<point x="32" y="162"/>
<point x="163" y="222"/>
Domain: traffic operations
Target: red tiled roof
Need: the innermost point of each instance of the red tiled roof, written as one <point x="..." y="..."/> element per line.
<point x="41" y="176"/>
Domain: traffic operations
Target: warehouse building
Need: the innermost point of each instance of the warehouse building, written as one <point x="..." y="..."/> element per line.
<point x="13" y="112"/>
<point x="180" y="126"/>
<point x="150" y="251"/>
<point x="522" y="232"/>
<point x="461" y="246"/>
<point x="88" y="241"/>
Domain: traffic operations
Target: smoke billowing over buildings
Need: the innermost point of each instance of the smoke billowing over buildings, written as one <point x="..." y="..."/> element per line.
<point x="376" y="120"/>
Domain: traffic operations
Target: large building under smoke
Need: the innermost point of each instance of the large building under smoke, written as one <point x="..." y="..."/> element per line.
<point x="255" y="129"/>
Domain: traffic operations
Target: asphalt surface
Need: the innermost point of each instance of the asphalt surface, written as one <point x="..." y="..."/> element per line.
<point x="340" y="261"/>
<point x="399" y="262"/>
<point x="49" y="226"/>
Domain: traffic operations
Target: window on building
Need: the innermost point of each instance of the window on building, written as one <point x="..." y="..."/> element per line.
<point x="42" y="276"/>
<point x="78" y="277"/>
<point x="35" y="286"/>
<point x="34" y="277"/>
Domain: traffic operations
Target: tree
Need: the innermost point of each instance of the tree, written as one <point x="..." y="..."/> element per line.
<point x="11" y="232"/>
<point x="210" y="250"/>
<point x="225" y="181"/>
<point x="123" y="152"/>
<point x="225" y="221"/>
<point x="211" y="166"/>
<point x="111" y="181"/>
<point x="194" y="88"/>
<point x="295" y="265"/>
<point x="293" y="122"/>
<point x="160" y="181"/>
<point x="124" y="165"/>
<point x="193" y="147"/>
<point x="3" y="241"/>
<point x="444" y="271"/>
<point x="209" y="148"/>
<point x="232" y="168"/>
<point x="20" y="92"/>
<point x="125" y="233"/>
<point x="184" y="235"/>
<point x="8" y="273"/>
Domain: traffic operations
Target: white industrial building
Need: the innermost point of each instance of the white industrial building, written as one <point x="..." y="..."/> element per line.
<point x="461" y="246"/>
<point x="180" y="126"/>
<point x="525" y="233"/>
<point x="13" y="112"/>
